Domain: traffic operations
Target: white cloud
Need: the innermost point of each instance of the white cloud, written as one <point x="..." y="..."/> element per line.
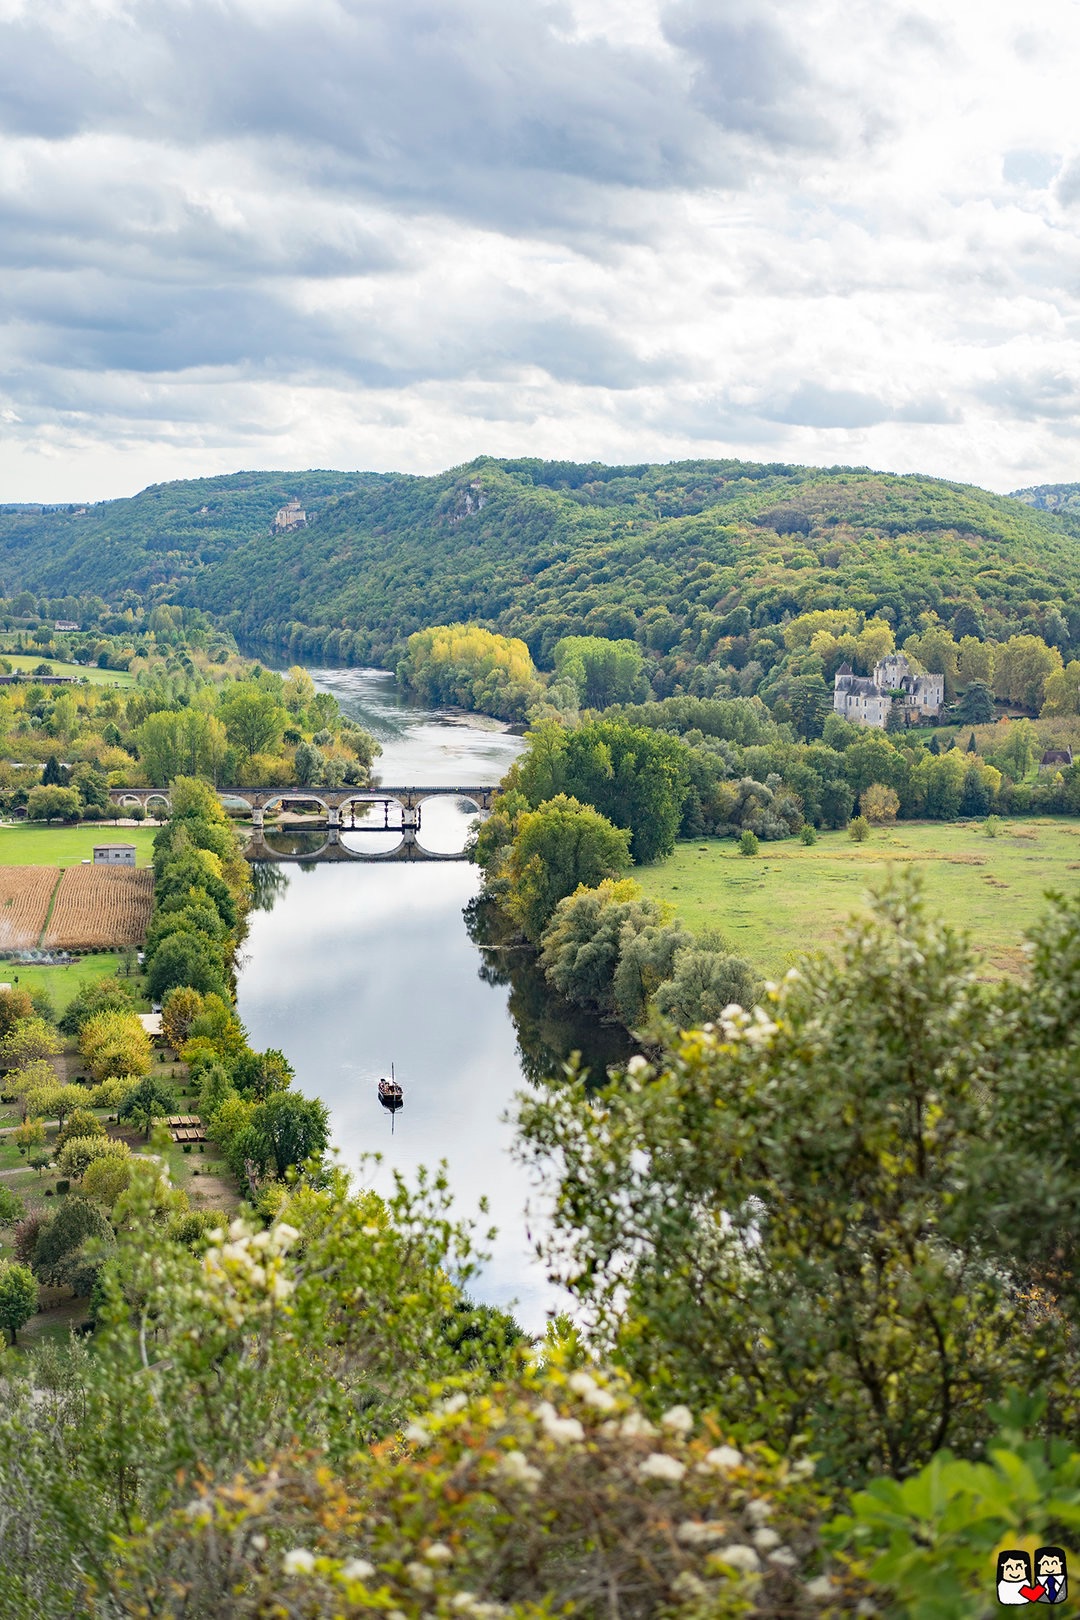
<point x="400" y="233"/>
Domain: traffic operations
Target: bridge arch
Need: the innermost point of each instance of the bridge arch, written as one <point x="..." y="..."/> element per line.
<point x="295" y="795"/>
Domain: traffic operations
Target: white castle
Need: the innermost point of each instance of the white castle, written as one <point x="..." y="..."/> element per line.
<point x="868" y="699"/>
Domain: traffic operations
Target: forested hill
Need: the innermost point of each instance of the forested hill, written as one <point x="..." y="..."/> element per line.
<point x="166" y="534"/>
<point x="678" y="556"/>
<point x="1050" y="497"/>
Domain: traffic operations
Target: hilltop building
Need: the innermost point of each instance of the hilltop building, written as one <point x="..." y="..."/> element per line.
<point x="290" y="516"/>
<point x="868" y="699"/>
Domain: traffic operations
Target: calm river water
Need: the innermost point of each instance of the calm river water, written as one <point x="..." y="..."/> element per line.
<point x="358" y="966"/>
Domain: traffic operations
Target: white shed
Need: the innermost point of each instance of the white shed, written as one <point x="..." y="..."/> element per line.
<point x="114" y="854"/>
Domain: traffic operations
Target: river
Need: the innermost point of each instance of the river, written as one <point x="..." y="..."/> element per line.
<point x="356" y="967"/>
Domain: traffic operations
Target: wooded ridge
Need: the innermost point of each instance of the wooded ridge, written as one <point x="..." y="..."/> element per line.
<point x="677" y="556"/>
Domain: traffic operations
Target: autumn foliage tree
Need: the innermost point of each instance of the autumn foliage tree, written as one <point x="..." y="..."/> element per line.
<point x="115" y="1043"/>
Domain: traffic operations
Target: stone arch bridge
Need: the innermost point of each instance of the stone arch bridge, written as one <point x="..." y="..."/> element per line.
<point x="337" y="803"/>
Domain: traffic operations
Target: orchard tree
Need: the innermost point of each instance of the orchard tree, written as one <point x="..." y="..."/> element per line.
<point x="288" y="1129"/>
<point x="29" y="1135"/>
<point x="54" y="1101"/>
<point x="179" y="1009"/>
<point x="32" y="1077"/>
<point x="18" y="1298"/>
<point x="29" y="1041"/>
<point x="114" y="1043"/>
<point x="15" y="1008"/>
<point x="151" y="1099"/>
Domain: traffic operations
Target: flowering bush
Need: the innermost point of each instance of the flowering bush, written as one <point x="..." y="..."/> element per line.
<point x="552" y="1494"/>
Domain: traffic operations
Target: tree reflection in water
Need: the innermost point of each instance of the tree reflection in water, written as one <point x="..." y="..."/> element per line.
<point x="268" y="884"/>
<point x="549" y="1028"/>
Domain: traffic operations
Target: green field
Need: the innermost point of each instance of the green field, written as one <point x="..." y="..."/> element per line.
<point x="27" y="662"/>
<point x="64" y="983"/>
<point x="35" y="844"/>
<point x="791" y="896"/>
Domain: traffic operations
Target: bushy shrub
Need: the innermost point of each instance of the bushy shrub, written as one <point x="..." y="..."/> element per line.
<point x="859" y="829"/>
<point x="115" y="1043"/>
<point x="104" y="1179"/>
<point x="82" y="1151"/>
<point x="80" y="1122"/>
<point x="748" y="843"/>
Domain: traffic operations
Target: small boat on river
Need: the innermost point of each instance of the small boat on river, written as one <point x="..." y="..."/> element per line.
<point x="390" y="1093"/>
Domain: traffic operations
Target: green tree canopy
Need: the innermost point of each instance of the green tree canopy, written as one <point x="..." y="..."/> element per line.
<point x="254" y="719"/>
<point x="18" y="1298"/>
<point x="559" y="846"/>
<point x="602" y="671"/>
<point x="827" y="1197"/>
<point x="288" y="1129"/>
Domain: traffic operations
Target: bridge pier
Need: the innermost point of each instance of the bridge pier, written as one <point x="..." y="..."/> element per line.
<point x="257" y="816"/>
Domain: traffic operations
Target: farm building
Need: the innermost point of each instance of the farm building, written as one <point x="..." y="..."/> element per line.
<point x="114" y="854"/>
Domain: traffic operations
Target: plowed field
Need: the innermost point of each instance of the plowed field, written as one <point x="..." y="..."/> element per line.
<point x="25" y="892"/>
<point x="101" y="906"/>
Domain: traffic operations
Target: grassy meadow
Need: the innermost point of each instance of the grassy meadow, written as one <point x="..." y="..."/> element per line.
<point x="28" y="843"/>
<point x="26" y="663"/>
<point x="792" y="897"/>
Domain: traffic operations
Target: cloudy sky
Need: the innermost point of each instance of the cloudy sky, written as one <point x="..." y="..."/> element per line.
<point x="401" y="233"/>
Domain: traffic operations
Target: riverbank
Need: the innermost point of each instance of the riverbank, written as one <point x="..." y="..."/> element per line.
<point x="792" y="897"/>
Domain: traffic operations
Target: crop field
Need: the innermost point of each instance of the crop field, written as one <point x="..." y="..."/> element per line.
<point x="100" y="906"/>
<point x="791" y="897"/>
<point x="25" y="893"/>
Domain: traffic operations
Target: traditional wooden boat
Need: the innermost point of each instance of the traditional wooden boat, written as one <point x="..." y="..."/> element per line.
<point x="390" y="1093"/>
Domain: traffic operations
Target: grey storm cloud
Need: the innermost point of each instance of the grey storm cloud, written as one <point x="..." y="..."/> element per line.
<point x="748" y="77"/>
<point x="1041" y="395"/>
<point x="93" y="322"/>
<point x="358" y="115"/>
<point x="632" y="226"/>
<point x="473" y="107"/>
<point x="816" y="405"/>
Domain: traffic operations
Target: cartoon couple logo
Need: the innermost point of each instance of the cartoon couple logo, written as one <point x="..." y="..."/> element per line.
<point x="1017" y="1584"/>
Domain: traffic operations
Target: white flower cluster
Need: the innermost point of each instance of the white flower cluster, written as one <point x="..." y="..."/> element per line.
<point x="721" y="1460"/>
<point x="658" y="1465"/>
<point x="516" y="1469"/>
<point x="562" y="1430"/>
<point x="592" y="1393"/>
<point x="244" y="1272"/>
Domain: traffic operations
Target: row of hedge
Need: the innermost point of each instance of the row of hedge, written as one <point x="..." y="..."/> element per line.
<point x="202" y="893"/>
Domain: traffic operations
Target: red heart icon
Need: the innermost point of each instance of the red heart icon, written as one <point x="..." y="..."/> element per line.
<point x="1032" y="1593"/>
